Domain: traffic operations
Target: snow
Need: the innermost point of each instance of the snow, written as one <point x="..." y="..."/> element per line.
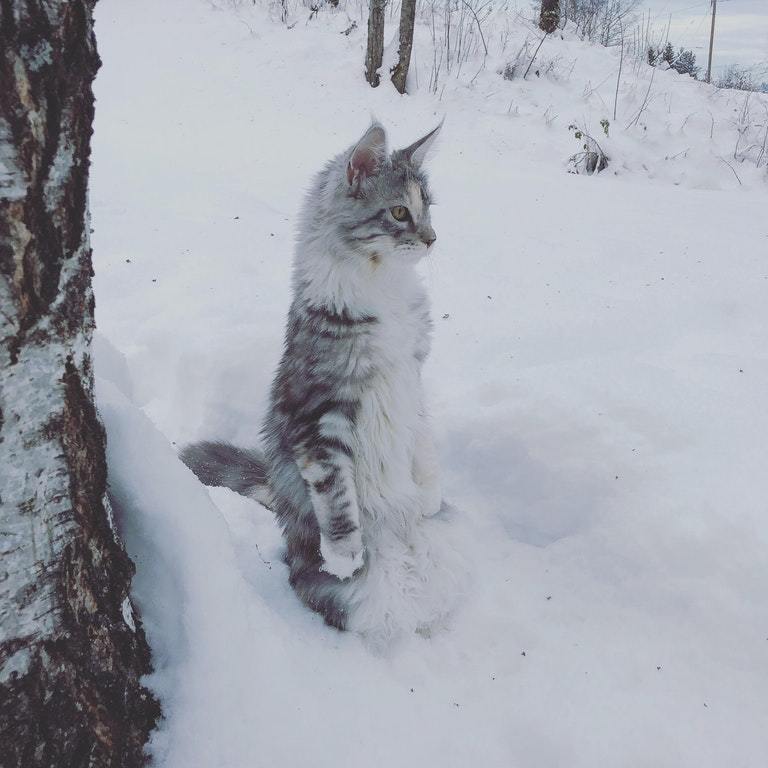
<point x="60" y="169"/>
<point x="127" y="610"/>
<point x="597" y="385"/>
<point x="16" y="665"/>
<point x="12" y="186"/>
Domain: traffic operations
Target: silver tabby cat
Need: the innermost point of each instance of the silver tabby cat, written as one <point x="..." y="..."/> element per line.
<point x="349" y="466"/>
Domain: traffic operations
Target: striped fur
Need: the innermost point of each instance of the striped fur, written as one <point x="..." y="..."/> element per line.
<point x="352" y="470"/>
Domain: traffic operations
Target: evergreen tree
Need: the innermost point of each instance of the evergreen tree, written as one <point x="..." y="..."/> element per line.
<point x="668" y="54"/>
<point x="685" y="63"/>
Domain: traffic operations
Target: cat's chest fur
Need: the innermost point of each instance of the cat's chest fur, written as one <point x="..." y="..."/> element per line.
<point x="391" y="404"/>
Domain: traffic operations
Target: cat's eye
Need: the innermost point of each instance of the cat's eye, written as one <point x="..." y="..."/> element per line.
<point x="400" y="213"/>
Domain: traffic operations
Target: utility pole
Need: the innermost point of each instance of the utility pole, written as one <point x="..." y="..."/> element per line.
<point x="711" y="41"/>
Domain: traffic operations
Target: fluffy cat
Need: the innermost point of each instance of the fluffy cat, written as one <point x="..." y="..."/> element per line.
<point x="349" y="467"/>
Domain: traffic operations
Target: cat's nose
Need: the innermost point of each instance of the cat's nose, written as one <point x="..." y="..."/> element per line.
<point x="428" y="237"/>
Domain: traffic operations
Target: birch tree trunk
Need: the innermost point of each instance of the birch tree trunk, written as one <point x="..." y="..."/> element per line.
<point x="407" y="18"/>
<point x="71" y="649"/>
<point x="375" y="50"/>
<point x="550" y="15"/>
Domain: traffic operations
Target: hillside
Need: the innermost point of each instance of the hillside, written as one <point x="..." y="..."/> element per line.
<point x="597" y="386"/>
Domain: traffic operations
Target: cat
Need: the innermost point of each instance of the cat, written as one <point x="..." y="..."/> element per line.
<point x="349" y="466"/>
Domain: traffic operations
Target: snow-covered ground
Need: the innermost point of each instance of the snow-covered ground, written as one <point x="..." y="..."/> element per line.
<point x="598" y="384"/>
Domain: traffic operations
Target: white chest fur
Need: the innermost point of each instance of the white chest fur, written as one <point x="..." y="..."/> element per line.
<point x="390" y="423"/>
<point x="391" y="410"/>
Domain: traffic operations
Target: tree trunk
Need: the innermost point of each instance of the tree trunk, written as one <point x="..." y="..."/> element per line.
<point x="550" y="15"/>
<point x="407" y="18"/>
<point x="71" y="648"/>
<point x="375" y="50"/>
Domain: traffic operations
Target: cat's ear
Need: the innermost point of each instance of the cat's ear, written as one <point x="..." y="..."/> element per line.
<point x="367" y="157"/>
<point x="418" y="151"/>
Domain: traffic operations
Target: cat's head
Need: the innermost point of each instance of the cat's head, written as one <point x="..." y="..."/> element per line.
<point x="386" y="198"/>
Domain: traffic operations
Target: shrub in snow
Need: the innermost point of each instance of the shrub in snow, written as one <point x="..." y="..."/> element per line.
<point x="751" y="125"/>
<point x="518" y="64"/>
<point x="738" y="78"/>
<point x="525" y="60"/>
<point x="509" y="70"/>
<point x="549" y="67"/>
<point x="685" y="63"/>
<point x="668" y="54"/>
<point x="591" y="159"/>
<point x="599" y="21"/>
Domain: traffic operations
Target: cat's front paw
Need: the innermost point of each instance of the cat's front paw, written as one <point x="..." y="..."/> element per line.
<point x="342" y="558"/>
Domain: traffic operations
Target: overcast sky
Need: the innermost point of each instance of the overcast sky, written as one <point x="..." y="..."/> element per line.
<point x="741" y="29"/>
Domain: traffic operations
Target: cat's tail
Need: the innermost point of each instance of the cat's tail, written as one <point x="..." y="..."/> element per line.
<point x="221" y="464"/>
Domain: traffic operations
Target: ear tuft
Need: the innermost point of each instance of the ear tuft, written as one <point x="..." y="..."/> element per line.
<point x="367" y="157"/>
<point x="417" y="152"/>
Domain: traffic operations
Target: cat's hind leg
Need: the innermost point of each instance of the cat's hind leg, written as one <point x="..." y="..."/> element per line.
<point x="323" y="593"/>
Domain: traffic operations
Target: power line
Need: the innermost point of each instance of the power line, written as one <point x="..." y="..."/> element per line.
<point x="667" y="12"/>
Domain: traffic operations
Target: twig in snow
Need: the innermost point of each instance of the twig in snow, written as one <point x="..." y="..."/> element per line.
<point x="589" y="90"/>
<point x="618" y="77"/>
<point x="644" y="105"/>
<point x="482" y="38"/>
<point x="268" y="563"/>
<point x="765" y="144"/>
<point x="732" y="168"/>
<point x="685" y="122"/>
<point x="479" y="26"/>
<point x="546" y="35"/>
<point x="683" y="152"/>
